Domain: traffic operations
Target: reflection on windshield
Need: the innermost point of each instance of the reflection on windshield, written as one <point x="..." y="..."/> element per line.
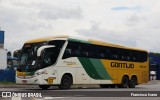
<point x="29" y="53"/>
<point x="29" y="56"/>
<point x="24" y="59"/>
<point x="47" y="59"/>
<point x="29" y="59"/>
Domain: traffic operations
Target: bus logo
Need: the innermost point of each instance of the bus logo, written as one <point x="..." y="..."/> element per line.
<point x="50" y="80"/>
<point x="122" y="65"/>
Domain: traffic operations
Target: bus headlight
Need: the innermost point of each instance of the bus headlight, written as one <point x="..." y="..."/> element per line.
<point x="40" y="72"/>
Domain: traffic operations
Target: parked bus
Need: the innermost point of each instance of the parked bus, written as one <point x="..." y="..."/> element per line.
<point x="63" y="61"/>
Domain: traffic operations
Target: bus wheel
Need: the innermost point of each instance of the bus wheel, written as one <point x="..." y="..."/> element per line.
<point x="124" y="83"/>
<point x="44" y="87"/>
<point x="132" y="82"/>
<point x="112" y="86"/>
<point x="104" y="85"/>
<point x="66" y="82"/>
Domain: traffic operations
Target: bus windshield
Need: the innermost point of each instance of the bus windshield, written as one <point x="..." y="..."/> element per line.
<point x="29" y="60"/>
<point x="29" y="55"/>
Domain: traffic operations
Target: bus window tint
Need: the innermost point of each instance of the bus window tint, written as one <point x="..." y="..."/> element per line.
<point x="50" y="56"/>
<point x="126" y="55"/>
<point x="68" y="52"/>
<point x="78" y="49"/>
<point x="57" y="43"/>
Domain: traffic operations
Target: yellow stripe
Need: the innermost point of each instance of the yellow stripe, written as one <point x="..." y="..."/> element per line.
<point x="45" y="39"/>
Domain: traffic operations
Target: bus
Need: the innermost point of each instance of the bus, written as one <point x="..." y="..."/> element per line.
<point x="64" y="61"/>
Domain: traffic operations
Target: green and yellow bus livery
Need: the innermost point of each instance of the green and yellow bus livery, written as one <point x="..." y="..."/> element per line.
<point x="63" y="61"/>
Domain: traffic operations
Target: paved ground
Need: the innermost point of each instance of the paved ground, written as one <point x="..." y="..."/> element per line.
<point x="76" y="86"/>
<point x="85" y="98"/>
<point x="90" y="92"/>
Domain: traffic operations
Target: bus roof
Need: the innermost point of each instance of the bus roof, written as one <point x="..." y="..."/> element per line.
<point x="90" y="41"/>
<point x="45" y="39"/>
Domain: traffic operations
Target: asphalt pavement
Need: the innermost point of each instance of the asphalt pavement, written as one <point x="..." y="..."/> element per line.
<point x="74" y="86"/>
<point x="150" y="90"/>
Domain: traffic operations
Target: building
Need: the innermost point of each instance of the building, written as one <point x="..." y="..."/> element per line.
<point x="1" y="39"/>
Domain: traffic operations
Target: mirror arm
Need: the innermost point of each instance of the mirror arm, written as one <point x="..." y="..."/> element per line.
<point x="39" y="51"/>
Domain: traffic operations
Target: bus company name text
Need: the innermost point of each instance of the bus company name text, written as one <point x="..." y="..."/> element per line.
<point x="121" y="65"/>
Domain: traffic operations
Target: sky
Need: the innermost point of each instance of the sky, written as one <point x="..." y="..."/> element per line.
<point x="132" y="23"/>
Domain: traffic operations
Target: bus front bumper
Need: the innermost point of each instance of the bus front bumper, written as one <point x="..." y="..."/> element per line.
<point x="26" y="80"/>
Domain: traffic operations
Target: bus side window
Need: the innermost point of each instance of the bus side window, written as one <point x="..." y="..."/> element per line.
<point x="99" y="52"/>
<point x="125" y="55"/>
<point x="75" y="53"/>
<point x="67" y="53"/>
<point x="132" y="56"/>
<point x="143" y="56"/>
<point x="100" y="56"/>
<point x="75" y="50"/>
<point x="84" y="54"/>
<point x="107" y="54"/>
<point x="126" y="58"/>
<point x="72" y="50"/>
<point x="84" y="50"/>
<point x="114" y="53"/>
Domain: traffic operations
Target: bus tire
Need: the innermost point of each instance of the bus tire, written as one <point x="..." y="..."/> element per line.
<point x="112" y="85"/>
<point x="124" y="82"/>
<point x="66" y="82"/>
<point x="107" y="85"/>
<point x="44" y="87"/>
<point x="132" y="82"/>
<point x="104" y="85"/>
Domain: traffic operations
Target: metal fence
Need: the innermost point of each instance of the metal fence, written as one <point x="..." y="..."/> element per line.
<point x="7" y="75"/>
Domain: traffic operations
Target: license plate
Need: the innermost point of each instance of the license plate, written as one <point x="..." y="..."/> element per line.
<point x="24" y="81"/>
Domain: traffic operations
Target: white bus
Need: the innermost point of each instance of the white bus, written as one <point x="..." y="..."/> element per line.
<point x="63" y="61"/>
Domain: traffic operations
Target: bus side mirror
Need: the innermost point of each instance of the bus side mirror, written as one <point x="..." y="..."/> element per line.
<point x="39" y="51"/>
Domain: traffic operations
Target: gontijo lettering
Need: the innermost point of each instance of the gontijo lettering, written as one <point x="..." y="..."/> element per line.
<point x="122" y="65"/>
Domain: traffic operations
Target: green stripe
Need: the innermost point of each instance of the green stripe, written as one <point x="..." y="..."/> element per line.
<point x="90" y="70"/>
<point x="100" y="68"/>
<point x="94" y="68"/>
